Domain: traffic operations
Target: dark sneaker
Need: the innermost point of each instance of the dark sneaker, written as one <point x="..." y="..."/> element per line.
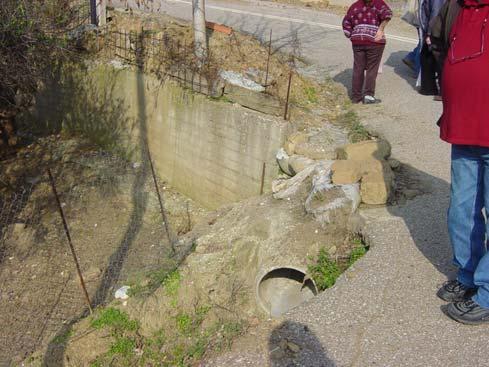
<point x="454" y="291"/>
<point x="370" y="100"/>
<point x="468" y="312"/>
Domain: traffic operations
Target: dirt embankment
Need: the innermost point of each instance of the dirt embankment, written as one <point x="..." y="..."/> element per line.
<point x="182" y="316"/>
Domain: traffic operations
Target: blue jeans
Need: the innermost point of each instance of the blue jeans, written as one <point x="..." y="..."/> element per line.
<point x="467" y="224"/>
<point x="415" y="57"/>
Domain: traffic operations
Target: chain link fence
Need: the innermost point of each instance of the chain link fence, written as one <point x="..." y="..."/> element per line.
<point x="113" y="214"/>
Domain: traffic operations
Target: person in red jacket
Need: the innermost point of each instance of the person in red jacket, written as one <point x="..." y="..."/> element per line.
<point x="465" y="125"/>
<point x="364" y="25"/>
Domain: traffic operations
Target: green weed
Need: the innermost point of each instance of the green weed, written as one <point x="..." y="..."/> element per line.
<point x="171" y="282"/>
<point x="358" y="251"/>
<point x="356" y="131"/>
<point x="123" y="347"/>
<point x="325" y="271"/>
<point x="184" y="323"/>
<point x="114" y="318"/>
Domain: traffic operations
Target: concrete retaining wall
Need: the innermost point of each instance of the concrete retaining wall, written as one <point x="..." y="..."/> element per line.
<point x="212" y="151"/>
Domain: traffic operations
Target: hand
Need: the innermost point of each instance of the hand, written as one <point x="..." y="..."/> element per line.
<point x="379" y="36"/>
<point x="428" y="41"/>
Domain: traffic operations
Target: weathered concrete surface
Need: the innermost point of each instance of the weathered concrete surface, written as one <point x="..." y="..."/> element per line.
<point x="211" y="151"/>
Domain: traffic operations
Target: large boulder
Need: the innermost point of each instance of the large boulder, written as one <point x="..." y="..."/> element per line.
<point x="351" y="171"/>
<point x="376" y="186"/>
<point x="377" y="149"/>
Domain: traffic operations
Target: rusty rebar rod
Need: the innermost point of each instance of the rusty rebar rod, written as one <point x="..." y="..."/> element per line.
<point x="286" y="113"/>
<point x="268" y="59"/>
<point x="70" y="242"/>
<point x="262" y="186"/>
<point x="160" y="200"/>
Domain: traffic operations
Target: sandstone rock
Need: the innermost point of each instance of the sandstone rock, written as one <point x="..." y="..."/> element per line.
<point x="378" y="149"/>
<point x="351" y="171"/>
<point x="298" y="163"/>
<point x="346" y="172"/>
<point x="293" y="140"/>
<point x="376" y="187"/>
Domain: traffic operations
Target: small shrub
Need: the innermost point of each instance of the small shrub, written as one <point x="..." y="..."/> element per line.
<point x="325" y="271"/>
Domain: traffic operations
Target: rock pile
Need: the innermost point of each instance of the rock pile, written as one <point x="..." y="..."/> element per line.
<point x="366" y="163"/>
<point x="342" y="176"/>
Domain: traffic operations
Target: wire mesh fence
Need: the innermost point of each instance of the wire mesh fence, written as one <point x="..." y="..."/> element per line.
<point x="114" y="218"/>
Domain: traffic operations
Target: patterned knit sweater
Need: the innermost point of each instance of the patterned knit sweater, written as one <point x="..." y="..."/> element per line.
<point x="363" y="19"/>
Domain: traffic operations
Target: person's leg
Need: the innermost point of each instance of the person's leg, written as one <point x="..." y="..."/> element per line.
<point x="374" y="57"/>
<point x="466" y="224"/>
<point x="359" y="64"/>
<point x="481" y="275"/>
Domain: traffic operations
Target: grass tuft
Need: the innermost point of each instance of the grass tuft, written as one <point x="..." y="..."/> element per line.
<point x="356" y="131"/>
<point x="324" y="271"/>
<point x="114" y="318"/>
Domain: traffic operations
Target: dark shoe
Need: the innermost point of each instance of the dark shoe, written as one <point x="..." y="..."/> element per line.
<point x="468" y="312"/>
<point x="437" y="98"/>
<point x="371" y="100"/>
<point x="454" y="291"/>
<point x="409" y="63"/>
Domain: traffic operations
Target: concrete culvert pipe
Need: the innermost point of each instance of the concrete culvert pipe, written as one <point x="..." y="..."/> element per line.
<point x="281" y="289"/>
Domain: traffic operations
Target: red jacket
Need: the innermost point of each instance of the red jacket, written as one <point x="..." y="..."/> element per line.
<point x="465" y="84"/>
<point x="363" y="19"/>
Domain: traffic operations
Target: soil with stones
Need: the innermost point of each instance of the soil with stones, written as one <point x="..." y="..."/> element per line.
<point x="115" y="223"/>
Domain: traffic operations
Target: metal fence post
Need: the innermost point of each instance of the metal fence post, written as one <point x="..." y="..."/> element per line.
<point x="93" y="12"/>
<point x="70" y="243"/>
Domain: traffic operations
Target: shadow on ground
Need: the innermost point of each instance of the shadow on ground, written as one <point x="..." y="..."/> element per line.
<point x="294" y="344"/>
<point x="55" y="353"/>
<point x="425" y="215"/>
<point x="395" y="61"/>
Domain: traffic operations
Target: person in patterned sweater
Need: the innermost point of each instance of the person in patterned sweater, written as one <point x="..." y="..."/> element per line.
<point x="364" y="25"/>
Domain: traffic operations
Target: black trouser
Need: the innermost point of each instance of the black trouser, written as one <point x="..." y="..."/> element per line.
<point x="366" y="62"/>
<point x="431" y="71"/>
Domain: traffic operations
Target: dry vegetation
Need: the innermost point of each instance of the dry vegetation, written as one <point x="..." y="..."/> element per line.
<point x="236" y="52"/>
